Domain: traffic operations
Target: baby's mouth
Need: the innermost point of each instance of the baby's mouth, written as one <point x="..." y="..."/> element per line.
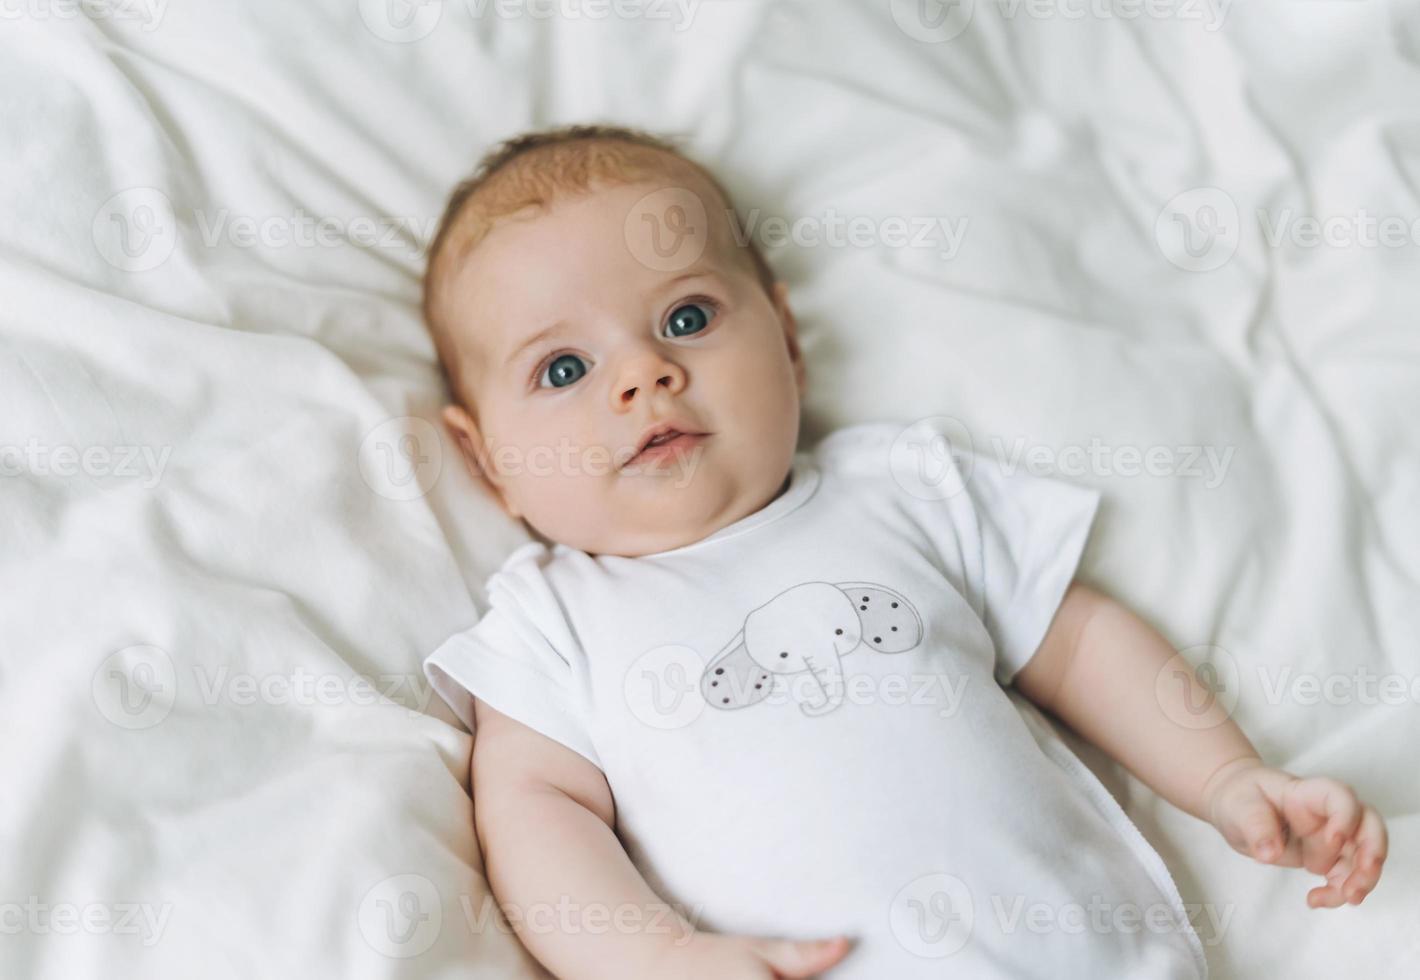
<point x="667" y="446"/>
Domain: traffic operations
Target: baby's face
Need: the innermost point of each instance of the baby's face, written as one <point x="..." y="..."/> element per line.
<point x="559" y="417"/>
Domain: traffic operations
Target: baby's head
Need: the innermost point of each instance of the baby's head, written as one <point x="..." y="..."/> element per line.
<point x="585" y="285"/>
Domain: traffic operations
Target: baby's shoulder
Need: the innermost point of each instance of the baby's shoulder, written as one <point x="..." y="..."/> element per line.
<point x="863" y="449"/>
<point x="526" y="568"/>
<point x="887" y="451"/>
<point x="914" y="470"/>
<point x="542" y="566"/>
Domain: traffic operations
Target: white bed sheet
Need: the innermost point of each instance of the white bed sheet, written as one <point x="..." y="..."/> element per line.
<point x="195" y="777"/>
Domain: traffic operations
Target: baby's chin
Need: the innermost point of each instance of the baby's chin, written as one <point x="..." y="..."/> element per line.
<point x="681" y="472"/>
<point x="645" y="514"/>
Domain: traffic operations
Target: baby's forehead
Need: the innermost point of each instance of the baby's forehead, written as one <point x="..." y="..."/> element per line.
<point x="543" y="265"/>
<point x="655" y="229"/>
<point x="541" y="178"/>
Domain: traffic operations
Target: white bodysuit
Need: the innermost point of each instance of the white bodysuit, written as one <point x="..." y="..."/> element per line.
<point x="802" y="720"/>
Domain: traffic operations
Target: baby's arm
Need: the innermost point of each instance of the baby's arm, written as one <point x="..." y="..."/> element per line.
<point x="546" y="820"/>
<point x="1111" y="678"/>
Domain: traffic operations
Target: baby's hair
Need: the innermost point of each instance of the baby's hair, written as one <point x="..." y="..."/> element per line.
<point x="550" y="163"/>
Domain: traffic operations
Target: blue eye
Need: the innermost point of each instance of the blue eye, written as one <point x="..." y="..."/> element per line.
<point x="564" y="370"/>
<point x="690" y="318"/>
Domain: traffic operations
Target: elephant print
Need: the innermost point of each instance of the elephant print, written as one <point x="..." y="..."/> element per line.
<point x="809" y="627"/>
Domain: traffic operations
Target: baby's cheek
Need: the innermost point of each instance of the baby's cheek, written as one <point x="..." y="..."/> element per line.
<point x="555" y="499"/>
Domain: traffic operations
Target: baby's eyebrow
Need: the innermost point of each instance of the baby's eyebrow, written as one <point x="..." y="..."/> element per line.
<point x="697" y="273"/>
<point x="705" y="273"/>
<point x="545" y="332"/>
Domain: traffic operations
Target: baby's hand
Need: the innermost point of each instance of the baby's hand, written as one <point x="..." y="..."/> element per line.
<point x="713" y="956"/>
<point x="1316" y="823"/>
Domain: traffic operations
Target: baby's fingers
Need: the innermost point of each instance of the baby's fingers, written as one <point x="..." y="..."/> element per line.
<point x="1372" y="844"/>
<point x="1324" y="813"/>
<point x="801" y="958"/>
<point x="1258" y="832"/>
<point x="1329" y="895"/>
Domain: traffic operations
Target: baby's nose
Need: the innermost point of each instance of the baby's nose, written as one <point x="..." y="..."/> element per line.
<point x="644" y="372"/>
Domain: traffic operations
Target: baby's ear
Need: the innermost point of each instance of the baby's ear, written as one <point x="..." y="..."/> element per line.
<point x="791" y="333"/>
<point x="470" y="442"/>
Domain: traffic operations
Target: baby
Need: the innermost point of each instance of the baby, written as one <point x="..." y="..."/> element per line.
<point x="737" y="698"/>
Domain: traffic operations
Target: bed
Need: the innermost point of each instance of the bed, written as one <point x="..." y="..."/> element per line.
<point x="1165" y="250"/>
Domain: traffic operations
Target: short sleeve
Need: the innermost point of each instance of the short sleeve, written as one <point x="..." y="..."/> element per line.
<point x="520" y="657"/>
<point x="1015" y="537"/>
<point x="1033" y="531"/>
